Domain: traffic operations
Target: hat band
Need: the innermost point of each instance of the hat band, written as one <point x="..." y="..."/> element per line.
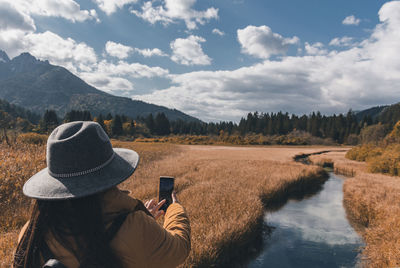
<point x="80" y="173"/>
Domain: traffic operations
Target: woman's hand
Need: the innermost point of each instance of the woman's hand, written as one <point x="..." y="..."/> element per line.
<point x="174" y="198"/>
<point x="154" y="208"/>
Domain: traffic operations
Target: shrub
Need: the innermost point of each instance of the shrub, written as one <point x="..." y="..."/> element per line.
<point x="373" y="134"/>
<point x="364" y="152"/>
<point x="394" y="135"/>
<point x="387" y="162"/>
<point x="352" y="139"/>
<point x="32" y="138"/>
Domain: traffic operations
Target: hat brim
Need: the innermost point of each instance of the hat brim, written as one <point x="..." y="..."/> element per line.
<point x="44" y="186"/>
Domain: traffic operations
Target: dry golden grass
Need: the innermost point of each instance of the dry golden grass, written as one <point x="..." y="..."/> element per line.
<point x="224" y="190"/>
<point x="342" y="165"/>
<point x="372" y="203"/>
<point x="293" y="138"/>
<point x="17" y="164"/>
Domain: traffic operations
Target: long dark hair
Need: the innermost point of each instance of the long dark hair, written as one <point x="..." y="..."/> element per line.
<point x="77" y="224"/>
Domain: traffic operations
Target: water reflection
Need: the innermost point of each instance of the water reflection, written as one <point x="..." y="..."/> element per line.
<point x="311" y="233"/>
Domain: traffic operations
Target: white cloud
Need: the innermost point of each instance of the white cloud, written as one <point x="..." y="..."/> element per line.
<point x="10" y="41"/>
<point x="358" y="77"/>
<point x="227" y="95"/>
<point x="147" y="52"/>
<point x="14" y="24"/>
<point x="351" y="20"/>
<point x="13" y="19"/>
<point x="134" y="70"/>
<point x="169" y="11"/>
<point x="261" y="42"/>
<point x="81" y="59"/>
<point x="112" y="77"/>
<point x="17" y="27"/>
<point x="218" y="32"/>
<point x="68" y="52"/>
<point x="117" y="50"/>
<point x="106" y="82"/>
<point x="315" y="49"/>
<point x="188" y="51"/>
<point x="67" y="9"/>
<point x="122" y="52"/>
<point x="65" y="52"/>
<point x="110" y="6"/>
<point x="344" y="41"/>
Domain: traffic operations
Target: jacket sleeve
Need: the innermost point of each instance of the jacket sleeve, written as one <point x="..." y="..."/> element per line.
<point x="168" y="246"/>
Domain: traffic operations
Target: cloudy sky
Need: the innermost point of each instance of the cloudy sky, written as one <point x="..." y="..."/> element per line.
<point x="218" y="60"/>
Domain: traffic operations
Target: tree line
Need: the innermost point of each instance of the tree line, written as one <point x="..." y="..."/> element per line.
<point x="336" y="127"/>
<point x="340" y="128"/>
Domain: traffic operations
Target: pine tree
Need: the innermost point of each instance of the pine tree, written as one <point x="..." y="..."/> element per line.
<point x="100" y="121"/>
<point x="109" y="116"/>
<point x="49" y="121"/>
<point x="149" y="121"/>
<point x="86" y="116"/>
<point x="116" y="126"/>
<point x="5" y="122"/>
<point x="162" y="126"/>
<point x="131" y="128"/>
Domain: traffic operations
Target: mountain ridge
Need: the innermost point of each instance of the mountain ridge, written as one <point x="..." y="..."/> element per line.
<point x="38" y="85"/>
<point x="373" y="112"/>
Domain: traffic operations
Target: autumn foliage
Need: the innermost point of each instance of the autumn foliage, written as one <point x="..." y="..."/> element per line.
<point x="381" y="158"/>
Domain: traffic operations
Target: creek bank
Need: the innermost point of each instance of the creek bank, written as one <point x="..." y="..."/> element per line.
<point x="237" y="252"/>
<point x="326" y="163"/>
<point x="312" y="233"/>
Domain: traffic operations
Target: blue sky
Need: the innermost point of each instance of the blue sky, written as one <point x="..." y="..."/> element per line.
<point x="218" y="60"/>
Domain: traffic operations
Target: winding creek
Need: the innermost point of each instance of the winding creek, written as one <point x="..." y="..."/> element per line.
<point x="313" y="232"/>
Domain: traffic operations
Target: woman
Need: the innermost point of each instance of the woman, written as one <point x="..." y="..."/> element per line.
<point x="81" y="219"/>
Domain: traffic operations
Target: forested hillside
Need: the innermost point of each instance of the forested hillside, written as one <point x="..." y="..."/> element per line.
<point x="40" y="86"/>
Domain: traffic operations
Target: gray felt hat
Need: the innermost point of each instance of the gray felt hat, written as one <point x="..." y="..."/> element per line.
<point x="80" y="162"/>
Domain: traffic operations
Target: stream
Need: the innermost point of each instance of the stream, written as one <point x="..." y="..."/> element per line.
<point x="313" y="232"/>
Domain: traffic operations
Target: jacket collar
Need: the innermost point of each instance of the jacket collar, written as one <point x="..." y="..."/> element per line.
<point x="115" y="201"/>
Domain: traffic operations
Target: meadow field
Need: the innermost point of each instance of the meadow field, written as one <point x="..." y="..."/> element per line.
<point x="372" y="202"/>
<point x="224" y="189"/>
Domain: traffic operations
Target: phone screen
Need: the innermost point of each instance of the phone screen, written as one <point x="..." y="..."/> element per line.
<point x="165" y="191"/>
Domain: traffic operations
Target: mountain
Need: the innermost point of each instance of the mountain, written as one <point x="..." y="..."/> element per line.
<point x="38" y="85"/>
<point x="387" y="114"/>
<point x="390" y="114"/>
<point x="4" y="57"/>
<point x="373" y="112"/>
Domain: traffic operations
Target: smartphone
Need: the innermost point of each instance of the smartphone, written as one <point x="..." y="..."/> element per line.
<point x="165" y="191"/>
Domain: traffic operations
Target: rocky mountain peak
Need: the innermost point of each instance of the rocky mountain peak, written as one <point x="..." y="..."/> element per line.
<point x="3" y="56"/>
<point x="25" y="63"/>
<point x="25" y="58"/>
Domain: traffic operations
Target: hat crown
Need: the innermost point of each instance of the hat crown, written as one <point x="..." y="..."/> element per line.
<point x="77" y="147"/>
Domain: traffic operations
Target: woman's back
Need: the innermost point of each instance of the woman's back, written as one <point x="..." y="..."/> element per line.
<point x="74" y="210"/>
<point x="141" y="241"/>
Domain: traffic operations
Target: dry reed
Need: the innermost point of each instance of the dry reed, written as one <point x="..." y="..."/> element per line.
<point x="224" y="190"/>
<point x="372" y="201"/>
<point x="372" y="204"/>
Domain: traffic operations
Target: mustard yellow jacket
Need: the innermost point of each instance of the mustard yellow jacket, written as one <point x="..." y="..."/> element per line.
<point x="141" y="241"/>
